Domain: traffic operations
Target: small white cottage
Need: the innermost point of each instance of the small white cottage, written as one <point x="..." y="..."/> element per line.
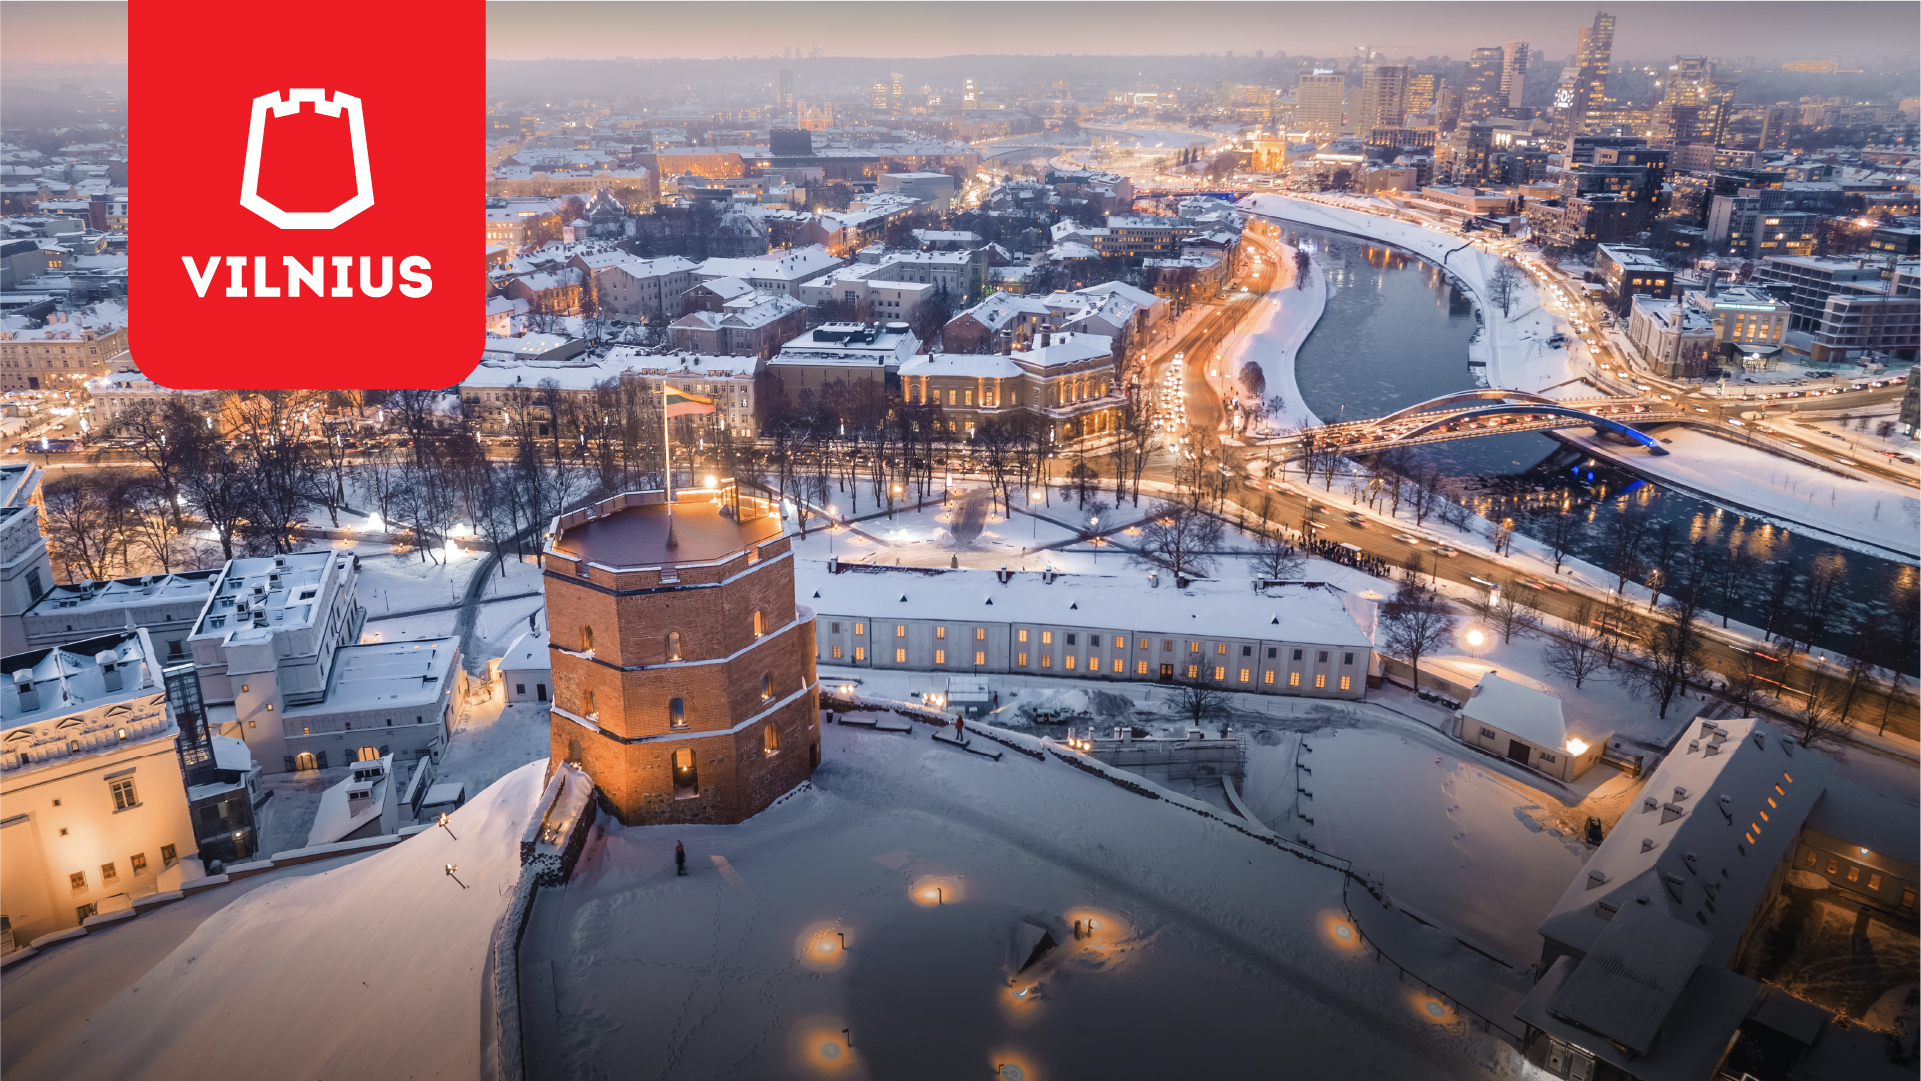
<point x="1521" y="723"/>
<point x="525" y="670"/>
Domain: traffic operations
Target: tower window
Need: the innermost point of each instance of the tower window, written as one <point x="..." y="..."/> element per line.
<point x="673" y="645"/>
<point x="676" y="713"/>
<point x="586" y="637"/>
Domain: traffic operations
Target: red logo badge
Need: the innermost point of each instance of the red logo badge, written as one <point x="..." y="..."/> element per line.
<point x="310" y="194"/>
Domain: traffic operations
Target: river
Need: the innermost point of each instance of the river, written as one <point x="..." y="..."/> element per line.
<point x="1395" y="333"/>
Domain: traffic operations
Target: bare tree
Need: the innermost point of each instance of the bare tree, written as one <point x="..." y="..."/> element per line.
<point x="1180" y="539"/>
<point x="1417" y="622"/>
<point x="1511" y="616"/>
<point x="1504" y="284"/>
<point x="1670" y="655"/>
<point x="1576" y="652"/>
<point x="86" y="523"/>
<point x="1561" y="530"/>
<point x="1275" y="560"/>
<point x="1625" y="531"/>
<point x="1815" y="721"/>
<point x="1199" y="703"/>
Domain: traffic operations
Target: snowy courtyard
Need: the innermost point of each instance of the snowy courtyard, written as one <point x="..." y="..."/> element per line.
<point x="875" y="924"/>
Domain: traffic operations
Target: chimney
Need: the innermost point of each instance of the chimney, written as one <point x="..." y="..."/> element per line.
<point x="1047" y="338"/>
<point x="109" y="669"/>
<point x="29" y="694"/>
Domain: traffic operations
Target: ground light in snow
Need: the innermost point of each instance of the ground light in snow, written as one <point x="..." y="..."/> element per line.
<point x="1432" y="1008"/>
<point x="1012" y="1064"/>
<point x="823" y="1047"/>
<point x="935" y="891"/>
<point x="822" y="946"/>
<point x="1339" y="932"/>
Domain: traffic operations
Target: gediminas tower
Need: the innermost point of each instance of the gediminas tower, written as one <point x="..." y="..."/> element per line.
<point x="683" y="668"/>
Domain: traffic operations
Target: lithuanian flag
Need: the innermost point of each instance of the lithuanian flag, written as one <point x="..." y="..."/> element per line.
<point x="681" y="403"/>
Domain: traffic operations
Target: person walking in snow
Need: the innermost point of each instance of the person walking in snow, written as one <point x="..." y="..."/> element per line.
<point x="959" y="733"/>
<point x="680" y="858"/>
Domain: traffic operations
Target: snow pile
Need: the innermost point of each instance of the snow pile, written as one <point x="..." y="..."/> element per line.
<point x="1272" y="335"/>
<point x="1069" y="705"/>
<point x="369" y="970"/>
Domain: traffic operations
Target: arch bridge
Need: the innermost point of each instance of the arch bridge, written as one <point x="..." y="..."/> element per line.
<point x="1469" y="414"/>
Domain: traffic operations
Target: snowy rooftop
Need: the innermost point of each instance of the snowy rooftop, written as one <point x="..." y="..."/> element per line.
<point x="71" y="678"/>
<point x="282" y="591"/>
<point x="1318" y="614"/>
<point x="796" y="264"/>
<point x="1691" y="1036"/>
<point x="188" y="589"/>
<point x="390" y="675"/>
<point x="343" y="807"/>
<point x="525" y="652"/>
<point x="1720" y="811"/>
<point x="970" y="365"/>
<point x="1625" y="986"/>
<point x="1517" y="709"/>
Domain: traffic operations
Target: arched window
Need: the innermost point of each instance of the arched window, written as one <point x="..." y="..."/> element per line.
<point x="673" y="645"/>
<point x="586" y="637"/>
<point x="587" y="706"/>
<point x="760" y="623"/>
<point x="686" y="776"/>
<point x="766" y="688"/>
<point x="367" y="754"/>
<point x="305" y="760"/>
<point x="676" y="713"/>
<point x="770" y="739"/>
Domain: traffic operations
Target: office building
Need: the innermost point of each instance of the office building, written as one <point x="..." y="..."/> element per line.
<point x="1481" y="97"/>
<point x="1514" y="60"/>
<point x="1585" y="87"/>
<point x="1627" y="272"/>
<point x="1319" y="108"/>
<point x="1383" y="96"/>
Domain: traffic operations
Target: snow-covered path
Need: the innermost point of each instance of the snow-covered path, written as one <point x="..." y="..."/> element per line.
<point x="1216" y="953"/>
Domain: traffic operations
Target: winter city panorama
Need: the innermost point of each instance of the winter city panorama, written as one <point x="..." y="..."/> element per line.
<point x="1044" y="542"/>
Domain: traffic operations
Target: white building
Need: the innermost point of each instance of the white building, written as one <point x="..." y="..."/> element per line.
<point x="166" y="605"/>
<point x="93" y="810"/>
<point x="26" y="572"/>
<point x="1524" y="724"/>
<point x="1293" y="639"/>
<point x="635" y="289"/>
<point x="494" y="387"/>
<point x="775" y="272"/>
<point x="125" y="387"/>
<point x="934" y="188"/>
<point x="1676" y="341"/>
<point x="277" y="665"/>
<point x="525" y="671"/>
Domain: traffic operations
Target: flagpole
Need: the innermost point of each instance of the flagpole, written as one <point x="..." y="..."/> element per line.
<point x="667" y="458"/>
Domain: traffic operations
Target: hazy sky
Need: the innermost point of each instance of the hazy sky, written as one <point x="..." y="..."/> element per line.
<point x="82" y="30"/>
<point x="596" y="30"/>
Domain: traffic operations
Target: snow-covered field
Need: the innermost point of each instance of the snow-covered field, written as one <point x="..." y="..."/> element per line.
<point x="1447" y="833"/>
<point x="370" y="970"/>
<point x="1211" y="952"/>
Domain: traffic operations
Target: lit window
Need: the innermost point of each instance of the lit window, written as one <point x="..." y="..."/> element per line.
<point x="940" y="632"/>
<point x="1220" y="673"/>
<point x="1834" y="866"/>
<point x="586" y="638"/>
<point x="108" y="874"/>
<point x="770" y="740"/>
<point x="860" y="653"/>
<point x="760" y="623"/>
<point x="860" y="628"/>
<point x="1047" y="638"/>
<point x="139" y="862"/>
<point x="1267" y="677"/>
<point x="1020" y="636"/>
<point x="1193" y="647"/>
<point x="1854" y="873"/>
<point x="1140" y="668"/>
<point x="1293" y="679"/>
<point x="1874" y="882"/>
<point x="1320" y="681"/>
<point x="980" y="634"/>
<point x="1070" y="662"/>
<point x="1120" y="666"/>
<point x="940" y="656"/>
<point x="1193" y="671"/>
<point x="900" y="630"/>
<point x="1246" y="676"/>
<point x="980" y="657"/>
<point x="77" y="881"/>
<point x="676" y="713"/>
<point x="837" y="653"/>
<point x="1047" y="660"/>
<point x="1347" y="683"/>
<point x="1020" y="659"/>
<point x="900" y="656"/>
